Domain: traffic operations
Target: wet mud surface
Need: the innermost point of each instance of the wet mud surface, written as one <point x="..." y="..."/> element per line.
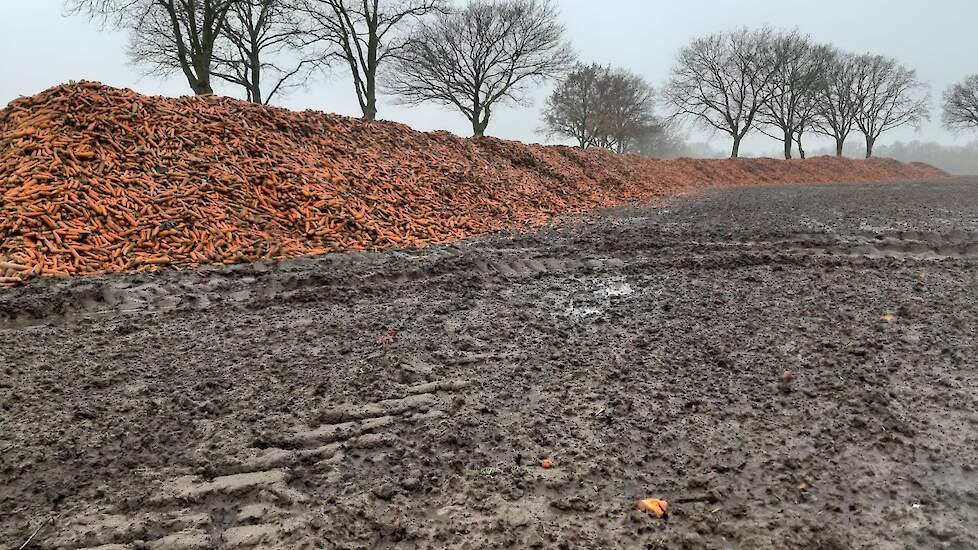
<point x="407" y="398"/>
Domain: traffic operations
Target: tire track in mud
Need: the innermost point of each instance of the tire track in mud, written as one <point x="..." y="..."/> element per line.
<point x="111" y="298"/>
<point x="254" y="285"/>
<point x="252" y="504"/>
<point x="908" y="245"/>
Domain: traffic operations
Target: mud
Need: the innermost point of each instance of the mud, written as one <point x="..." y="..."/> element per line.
<point x="406" y="398"/>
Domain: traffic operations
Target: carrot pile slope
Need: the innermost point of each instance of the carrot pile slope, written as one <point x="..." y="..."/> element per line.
<point x="95" y="179"/>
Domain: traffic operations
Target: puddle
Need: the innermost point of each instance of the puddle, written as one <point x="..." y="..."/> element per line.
<point x="593" y="302"/>
<point x="614" y="290"/>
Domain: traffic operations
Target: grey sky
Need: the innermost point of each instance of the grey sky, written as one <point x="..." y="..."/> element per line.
<point x="39" y="48"/>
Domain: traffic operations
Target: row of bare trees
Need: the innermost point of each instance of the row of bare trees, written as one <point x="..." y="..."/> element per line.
<point x="470" y="58"/>
<point x="785" y="85"/>
<point x="264" y="46"/>
<point x="488" y="52"/>
<point x="781" y="84"/>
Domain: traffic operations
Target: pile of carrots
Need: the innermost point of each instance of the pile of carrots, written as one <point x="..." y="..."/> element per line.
<point x="96" y="179"/>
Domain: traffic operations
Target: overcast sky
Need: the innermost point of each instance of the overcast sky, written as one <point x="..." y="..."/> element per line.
<point x="40" y="48"/>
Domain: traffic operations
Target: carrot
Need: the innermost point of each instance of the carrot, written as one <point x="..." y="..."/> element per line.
<point x="10" y="266"/>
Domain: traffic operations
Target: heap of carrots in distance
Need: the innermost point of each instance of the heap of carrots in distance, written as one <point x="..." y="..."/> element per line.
<point x="96" y="179"/>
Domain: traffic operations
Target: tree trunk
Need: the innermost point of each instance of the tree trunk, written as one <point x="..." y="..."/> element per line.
<point x="370" y="113"/>
<point x="370" y="98"/>
<point x="480" y="121"/>
<point x="839" y="144"/>
<point x="735" y="151"/>
<point x="870" y="142"/>
<point x="801" y="149"/>
<point x="201" y="82"/>
<point x="201" y="87"/>
<point x="373" y="43"/>
<point x="479" y="127"/>
<point x="256" y="80"/>
<point x="787" y="144"/>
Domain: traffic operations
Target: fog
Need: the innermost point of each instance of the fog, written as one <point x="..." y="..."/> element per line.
<point x="41" y="48"/>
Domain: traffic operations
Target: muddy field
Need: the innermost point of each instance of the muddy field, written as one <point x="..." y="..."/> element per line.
<point x="407" y="398"/>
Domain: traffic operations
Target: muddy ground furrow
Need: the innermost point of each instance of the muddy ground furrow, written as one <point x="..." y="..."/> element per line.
<point x="105" y="298"/>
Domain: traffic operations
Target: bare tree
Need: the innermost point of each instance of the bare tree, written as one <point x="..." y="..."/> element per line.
<point x="961" y="104"/>
<point x="481" y="55"/>
<point x="363" y="34"/>
<point x="600" y="106"/>
<point x="626" y="101"/>
<point x="806" y="119"/>
<point x="887" y="96"/>
<point x="572" y="108"/>
<point x="793" y="89"/>
<point x="808" y="107"/>
<point x="167" y="35"/>
<point x="835" y="106"/>
<point x="721" y="81"/>
<point x="260" y="50"/>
